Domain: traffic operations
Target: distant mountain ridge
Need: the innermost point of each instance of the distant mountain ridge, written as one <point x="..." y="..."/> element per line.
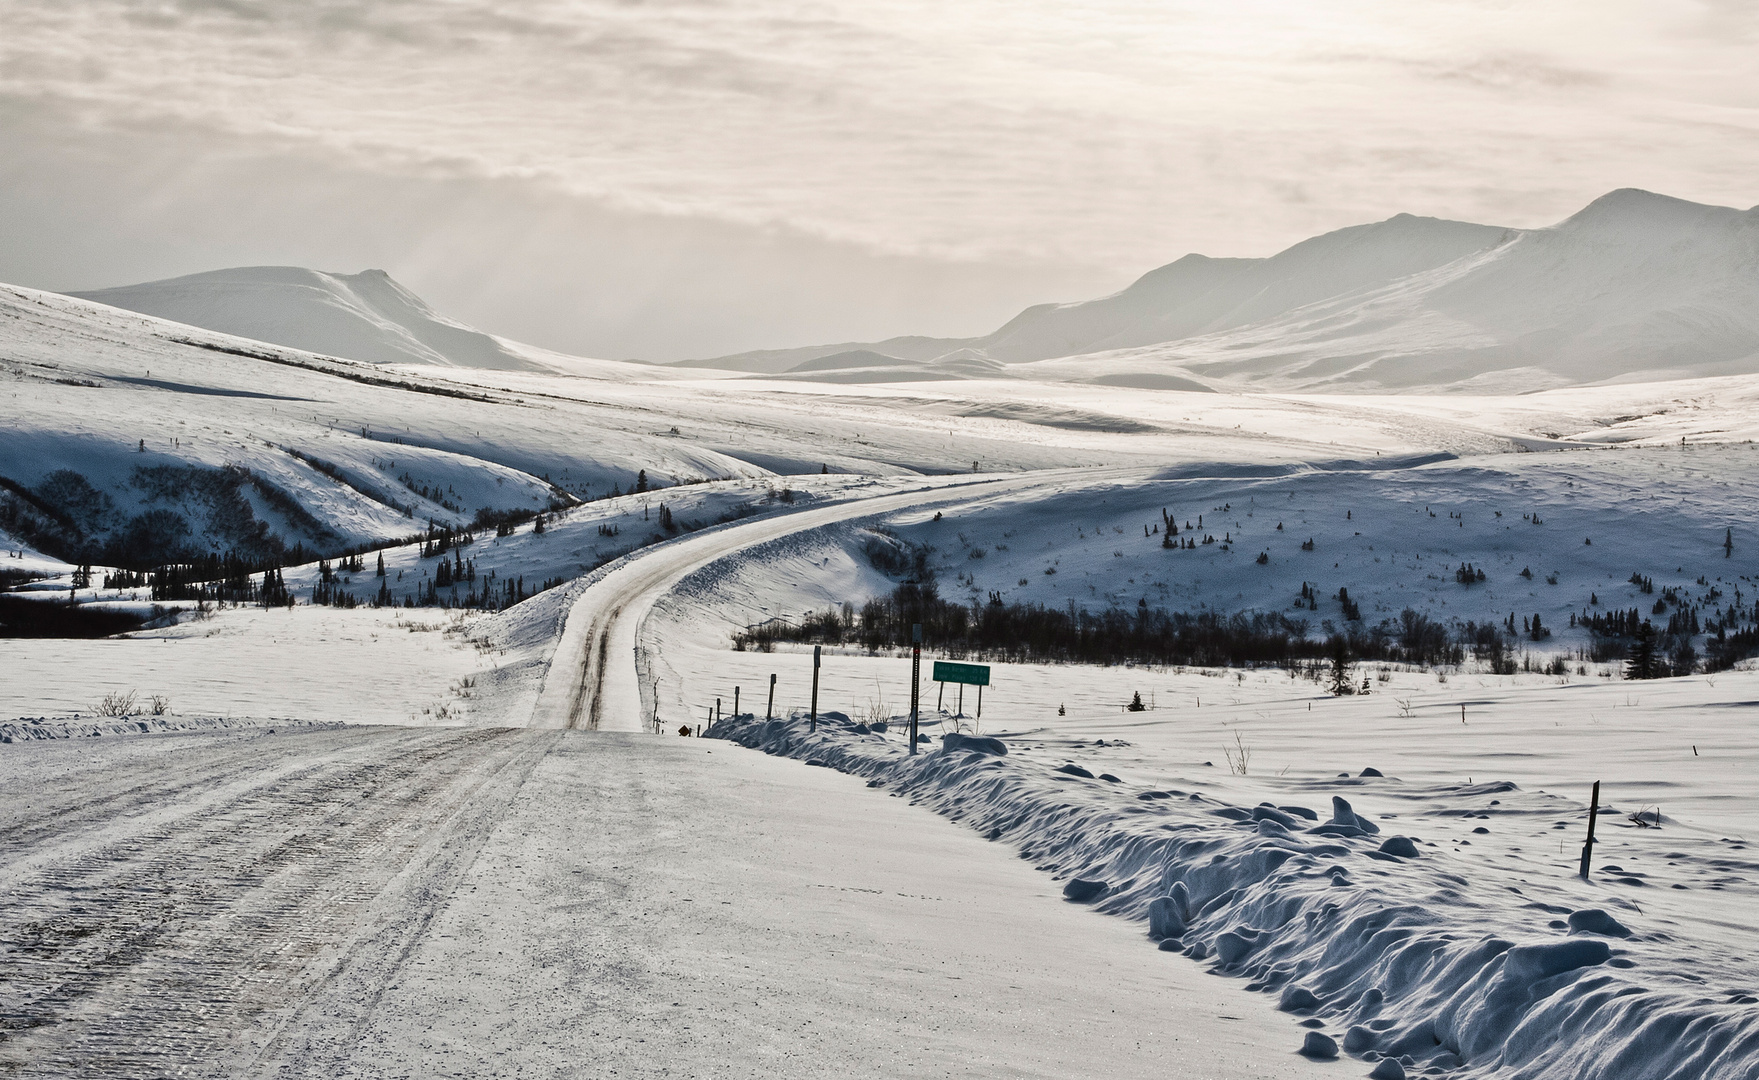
<point x="365" y="316"/>
<point x="1634" y="285"/>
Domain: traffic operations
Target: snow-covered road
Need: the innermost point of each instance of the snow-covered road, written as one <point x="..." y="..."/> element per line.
<point x="359" y="901"/>
<point x="593" y="681"/>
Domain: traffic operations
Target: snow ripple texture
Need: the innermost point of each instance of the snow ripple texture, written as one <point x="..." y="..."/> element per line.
<point x="1408" y="963"/>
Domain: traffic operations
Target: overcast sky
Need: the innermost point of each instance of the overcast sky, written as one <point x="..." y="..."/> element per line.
<point x="670" y="178"/>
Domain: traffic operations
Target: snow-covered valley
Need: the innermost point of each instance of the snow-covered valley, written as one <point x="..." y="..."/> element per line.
<point x="455" y="542"/>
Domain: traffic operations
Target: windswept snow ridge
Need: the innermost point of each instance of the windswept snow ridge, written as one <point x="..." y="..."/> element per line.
<point x="365" y="316"/>
<point x="1366" y="933"/>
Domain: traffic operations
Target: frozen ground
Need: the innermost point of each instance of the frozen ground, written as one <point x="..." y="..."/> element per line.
<point x="1417" y="957"/>
<point x="341" y="878"/>
<point x="365" y="666"/>
<point x="1493" y="800"/>
<point x="385" y="902"/>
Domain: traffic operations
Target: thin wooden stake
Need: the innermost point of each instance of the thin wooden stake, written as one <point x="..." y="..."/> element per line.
<point x="813" y="716"/>
<point x="915" y="678"/>
<point x="1588" y="846"/>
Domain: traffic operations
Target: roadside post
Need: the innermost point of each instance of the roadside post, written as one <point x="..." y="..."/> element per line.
<point x="1588" y="845"/>
<point x="812" y="719"/>
<point x="735" y="703"/>
<point x="769" y="708"/>
<point x="965" y="675"/>
<point x="915" y="678"/>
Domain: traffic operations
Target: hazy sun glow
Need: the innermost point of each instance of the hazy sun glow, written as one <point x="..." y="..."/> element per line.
<point x="1079" y="143"/>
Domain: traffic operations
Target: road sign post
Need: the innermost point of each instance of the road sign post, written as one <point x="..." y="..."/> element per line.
<point x="915" y="678"/>
<point x="965" y="675"/>
<point x="769" y="710"/>
<point x="813" y="717"/>
<point x="735" y="703"/>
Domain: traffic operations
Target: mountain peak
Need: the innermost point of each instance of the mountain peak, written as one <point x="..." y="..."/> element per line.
<point x="1625" y="208"/>
<point x="366" y="316"/>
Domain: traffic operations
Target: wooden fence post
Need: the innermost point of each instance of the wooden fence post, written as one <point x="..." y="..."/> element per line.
<point x="1588" y="846"/>
<point x="812" y="719"/>
<point x="915" y="678"/>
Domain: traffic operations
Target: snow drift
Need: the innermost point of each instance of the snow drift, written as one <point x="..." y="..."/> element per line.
<point x="1369" y="936"/>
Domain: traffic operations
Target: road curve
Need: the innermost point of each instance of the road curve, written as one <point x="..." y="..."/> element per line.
<point x="592" y="681"/>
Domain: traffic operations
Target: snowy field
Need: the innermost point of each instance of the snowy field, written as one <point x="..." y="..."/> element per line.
<point x="1492" y="798"/>
<point x="1434" y="926"/>
<point x="1401" y="952"/>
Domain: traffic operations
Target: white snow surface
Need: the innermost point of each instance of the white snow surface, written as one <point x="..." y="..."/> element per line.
<point x="1458" y="960"/>
<point x="1469" y="975"/>
<point x="1405" y="931"/>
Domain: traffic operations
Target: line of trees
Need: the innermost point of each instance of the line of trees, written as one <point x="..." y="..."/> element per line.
<point x="1020" y="632"/>
<point x="1031" y="632"/>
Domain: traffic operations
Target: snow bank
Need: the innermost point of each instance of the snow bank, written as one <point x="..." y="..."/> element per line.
<point x="42" y="728"/>
<point x="1370" y="935"/>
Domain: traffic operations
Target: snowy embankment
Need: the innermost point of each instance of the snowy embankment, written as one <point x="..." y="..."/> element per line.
<point x="1366" y="933"/>
<point x="47" y="728"/>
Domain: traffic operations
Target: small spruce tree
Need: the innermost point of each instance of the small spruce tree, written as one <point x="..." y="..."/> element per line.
<point x="1340" y="666"/>
<point x="1642" y="663"/>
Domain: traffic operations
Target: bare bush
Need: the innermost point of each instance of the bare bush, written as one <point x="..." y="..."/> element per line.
<point x="158" y="704"/>
<point x="116" y="703"/>
<point x="876" y="711"/>
<point x="1239" y="755"/>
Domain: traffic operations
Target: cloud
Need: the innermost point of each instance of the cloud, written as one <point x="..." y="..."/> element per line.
<point x="514" y="257"/>
<point x="988" y="134"/>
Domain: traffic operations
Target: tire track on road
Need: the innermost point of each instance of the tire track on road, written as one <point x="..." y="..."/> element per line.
<point x="164" y="946"/>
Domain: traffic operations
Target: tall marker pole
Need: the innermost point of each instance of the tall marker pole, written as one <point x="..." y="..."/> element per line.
<point x="915" y="677"/>
<point x="1588" y="847"/>
<point x="770" y="708"/>
<point x="813" y="718"/>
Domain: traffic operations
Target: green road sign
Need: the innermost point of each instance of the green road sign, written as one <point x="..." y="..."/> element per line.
<point x="969" y="674"/>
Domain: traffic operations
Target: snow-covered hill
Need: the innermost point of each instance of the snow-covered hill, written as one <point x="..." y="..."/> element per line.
<point x="128" y="439"/>
<point x="365" y="316"/>
<point x="1635" y="286"/>
<point x="125" y="438"/>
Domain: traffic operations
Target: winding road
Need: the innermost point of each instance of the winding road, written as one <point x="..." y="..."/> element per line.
<point x="592" y="681"/>
<point x="284" y="900"/>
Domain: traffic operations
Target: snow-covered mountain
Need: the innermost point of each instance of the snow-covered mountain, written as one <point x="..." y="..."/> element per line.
<point x="1634" y="285"/>
<point x="366" y="316"/>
